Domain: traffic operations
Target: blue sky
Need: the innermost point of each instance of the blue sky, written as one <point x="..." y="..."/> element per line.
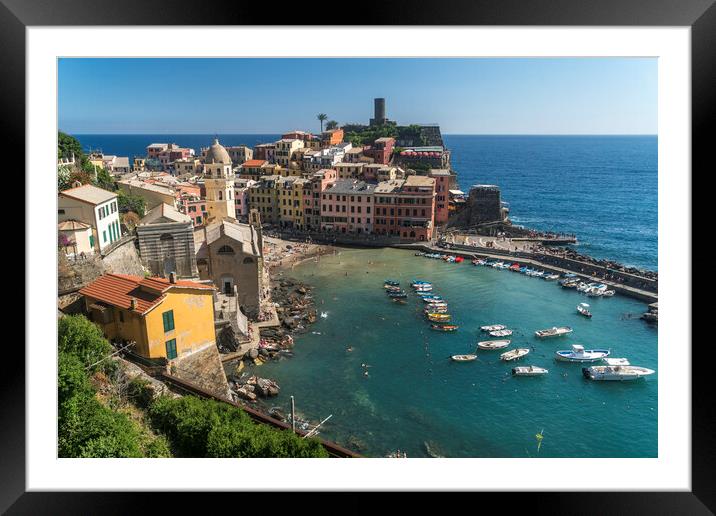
<point x="465" y="96"/>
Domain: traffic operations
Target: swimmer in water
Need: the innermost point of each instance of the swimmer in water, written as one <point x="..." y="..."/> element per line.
<point x="349" y="349"/>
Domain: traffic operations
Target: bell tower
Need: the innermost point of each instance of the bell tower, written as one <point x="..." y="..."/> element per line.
<point x="219" y="182"/>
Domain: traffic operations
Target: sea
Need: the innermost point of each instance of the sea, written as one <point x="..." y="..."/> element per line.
<point x="603" y="189"/>
<point x="413" y="397"/>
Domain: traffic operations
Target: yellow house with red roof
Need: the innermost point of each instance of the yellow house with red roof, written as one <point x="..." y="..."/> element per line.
<point x="166" y="318"/>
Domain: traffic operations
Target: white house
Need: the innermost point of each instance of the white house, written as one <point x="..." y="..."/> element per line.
<point x="95" y="207"/>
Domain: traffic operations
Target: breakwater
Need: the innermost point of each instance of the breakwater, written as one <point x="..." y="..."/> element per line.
<point x="627" y="284"/>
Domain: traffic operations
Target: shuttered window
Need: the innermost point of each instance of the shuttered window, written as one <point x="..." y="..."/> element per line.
<point x="168" y="318"/>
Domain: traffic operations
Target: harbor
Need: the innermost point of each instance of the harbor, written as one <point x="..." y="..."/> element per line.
<point x="421" y="399"/>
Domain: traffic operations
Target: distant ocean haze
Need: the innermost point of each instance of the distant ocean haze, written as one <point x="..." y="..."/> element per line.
<point x="604" y="189"/>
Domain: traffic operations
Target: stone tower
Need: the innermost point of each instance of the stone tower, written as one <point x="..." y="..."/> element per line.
<point x="219" y="182"/>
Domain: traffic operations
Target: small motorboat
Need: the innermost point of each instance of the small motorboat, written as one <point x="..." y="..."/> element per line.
<point x="493" y="344"/>
<point x="514" y="354"/>
<point x="390" y="288"/>
<point x="554" y="331"/>
<point x="493" y="327"/>
<point x="397" y="294"/>
<point x="423" y="288"/>
<point x="529" y="371"/>
<point x="436" y="317"/>
<point x="500" y="333"/>
<point x="579" y="354"/>
<point x="399" y="301"/>
<point x="392" y="283"/>
<point x="616" y="370"/>
<point x="463" y="358"/>
<point x="436" y="309"/>
<point x="444" y="327"/>
<point x="583" y="308"/>
<point x="459" y="259"/>
<point x="550" y="277"/>
<point x="609" y="293"/>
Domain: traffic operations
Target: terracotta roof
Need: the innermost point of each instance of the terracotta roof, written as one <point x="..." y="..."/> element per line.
<point x="253" y="163"/>
<point x="119" y="289"/>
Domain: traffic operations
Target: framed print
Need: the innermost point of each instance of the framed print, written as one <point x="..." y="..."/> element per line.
<point x="433" y="236"/>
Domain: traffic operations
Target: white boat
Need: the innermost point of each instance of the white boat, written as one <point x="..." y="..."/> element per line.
<point x="550" y="277"/>
<point x="514" y="354"/>
<point x="501" y="333"/>
<point x="463" y="358"/>
<point x="616" y="372"/>
<point x="529" y="371"/>
<point x="583" y="308"/>
<point x="554" y="331"/>
<point x="579" y="354"/>
<point x="493" y="344"/>
<point x="609" y="293"/>
<point x="497" y="265"/>
<point x="493" y="327"/>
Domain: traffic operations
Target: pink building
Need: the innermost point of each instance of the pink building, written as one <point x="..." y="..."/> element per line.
<point x="442" y="200"/>
<point x="319" y="182"/>
<point x="241" y="197"/>
<point x="381" y="151"/>
<point x="172" y="153"/>
<point x="195" y="207"/>
<point x="347" y="207"/>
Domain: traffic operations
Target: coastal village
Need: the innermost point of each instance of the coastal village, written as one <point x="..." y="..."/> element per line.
<point x="182" y="256"/>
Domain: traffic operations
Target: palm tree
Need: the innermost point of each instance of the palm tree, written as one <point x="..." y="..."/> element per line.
<point x="332" y="124"/>
<point x="321" y="118"/>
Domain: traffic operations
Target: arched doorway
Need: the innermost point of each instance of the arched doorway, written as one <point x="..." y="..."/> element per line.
<point x="226" y="284"/>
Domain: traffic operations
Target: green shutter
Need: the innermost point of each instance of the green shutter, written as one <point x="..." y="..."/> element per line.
<point x="171" y="346"/>
<point x="168" y="319"/>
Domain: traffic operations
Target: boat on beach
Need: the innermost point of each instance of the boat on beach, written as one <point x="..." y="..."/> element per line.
<point x="493" y="327"/>
<point x="529" y="371"/>
<point x="501" y="333"/>
<point x="493" y="344"/>
<point x="463" y="358"/>
<point x="514" y="354"/>
<point x="444" y="327"/>
<point x="579" y="354"/>
<point x="554" y="331"/>
<point x="583" y="308"/>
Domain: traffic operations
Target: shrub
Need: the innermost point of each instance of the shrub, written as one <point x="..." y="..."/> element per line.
<point x="80" y="337"/>
<point x="207" y="428"/>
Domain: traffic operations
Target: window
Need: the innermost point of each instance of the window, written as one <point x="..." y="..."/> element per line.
<point x="225" y="249"/>
<point x="171" y="346"/>
<point x="168" y="319"/>
<point x="121" y="316"/>
<point x="104" y="236"/>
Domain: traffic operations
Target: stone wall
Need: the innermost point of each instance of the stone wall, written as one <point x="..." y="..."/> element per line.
<point x="124" y="258"/>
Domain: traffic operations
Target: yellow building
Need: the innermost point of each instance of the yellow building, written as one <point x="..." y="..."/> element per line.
<point x="167" y="318"/>
<point x="263" y="197"/>
<point x="290" y="199"/>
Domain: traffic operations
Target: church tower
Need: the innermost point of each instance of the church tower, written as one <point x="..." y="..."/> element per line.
<point x="219" y="182"/>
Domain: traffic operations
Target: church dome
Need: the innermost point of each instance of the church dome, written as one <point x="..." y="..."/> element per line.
<point x="217" y="154"/>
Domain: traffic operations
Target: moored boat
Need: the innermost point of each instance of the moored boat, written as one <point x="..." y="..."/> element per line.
<point x="444" y="327"/>
<point x="555" y="331"/>
<point x="501" y="333"/>
<point x="397" y="294"/>
<point x="493" y="327"/>
<point x="514" y="354"/>
<point x="616" y="372"/>
<point x="529" y="371"/>
<point x="493" y="344"/>
<point x="583" y="308"/>
<point x="579" y="354"/>
<point x="436" y="317"/>
<point x="463" y="358"/>
<point x="392" y="283"/>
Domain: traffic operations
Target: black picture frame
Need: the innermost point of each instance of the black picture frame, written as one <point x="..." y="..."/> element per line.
<point x="700" y="15"/>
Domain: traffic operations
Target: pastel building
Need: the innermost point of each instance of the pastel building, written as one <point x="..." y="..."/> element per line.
<point x="263" y="196"/>
<point x="318" y="183"/>
<point x="382" y="150"/>
<point x="240" y="153"/>
<point x="241" y="197"/>
<point x="153" y="194"/>
<point x="94" y="207"/>
<point x="442" y="195"/>
<point x="347" y="207"/>
<point x="416" y="208"/>
<point x="285" y="149"/>
<point x="165" y="318"/>
<point x="266" y="152"/>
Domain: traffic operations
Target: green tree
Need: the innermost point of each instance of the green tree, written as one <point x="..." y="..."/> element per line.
<point x="332" y="124"/>
<point x="68" y="146"/>
<point x="130" y="202"/>
<point x="322" y="117"/>
<point x="104" y="180"/>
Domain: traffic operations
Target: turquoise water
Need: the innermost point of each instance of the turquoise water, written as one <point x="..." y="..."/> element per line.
<point x="414" y="394"/>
